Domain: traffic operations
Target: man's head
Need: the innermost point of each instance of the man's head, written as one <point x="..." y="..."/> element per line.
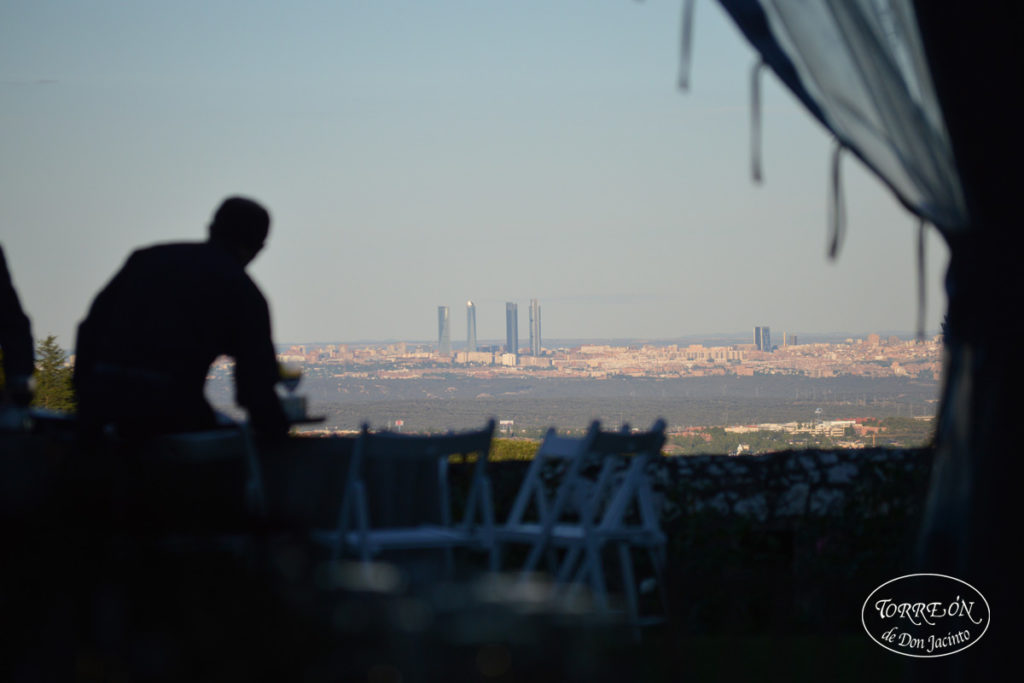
<point x="241" y="226"/>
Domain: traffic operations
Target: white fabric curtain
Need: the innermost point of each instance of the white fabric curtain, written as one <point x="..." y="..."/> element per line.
<point x="863" y="64"/>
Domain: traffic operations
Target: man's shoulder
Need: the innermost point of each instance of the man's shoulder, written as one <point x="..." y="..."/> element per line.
<point x="172" y="249"/>
<point x="192" y="257"/>
<point x="196" y="265"/>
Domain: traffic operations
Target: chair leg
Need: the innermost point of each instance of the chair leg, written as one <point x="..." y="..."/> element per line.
<point x="255" y="492"/>
<point x="363" y="521"/>
<point x="568" y="563"/>
<point x="487" y="512"/>
<point x="591" y="568"/>
<point x="629" y="583"/>
<point x="552" y="558"/>
<point x="532" y="559"/>
<point x="658" y="561"/>
<point x="579" y="569"/>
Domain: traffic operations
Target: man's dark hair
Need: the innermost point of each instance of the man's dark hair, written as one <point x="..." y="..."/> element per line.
<point x="240" y="222"/>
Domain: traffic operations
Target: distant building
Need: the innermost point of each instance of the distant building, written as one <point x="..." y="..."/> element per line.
<point x="512" y="327"/>
<point x="534" y="327"/>
<point x="470" y="327"/>
<point x="444" y="331"/>
<point x="535" y="362"/>
<point x="763" y="338"/>
<point x="475" y="357"/>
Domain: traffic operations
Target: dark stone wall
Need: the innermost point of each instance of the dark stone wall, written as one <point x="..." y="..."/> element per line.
<point x="772" y="488"/>
<point x="789" y="542"/>
<point x="794" y="485"/>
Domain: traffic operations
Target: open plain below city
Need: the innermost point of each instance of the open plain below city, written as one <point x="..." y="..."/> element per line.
<point x="534" y="403"/>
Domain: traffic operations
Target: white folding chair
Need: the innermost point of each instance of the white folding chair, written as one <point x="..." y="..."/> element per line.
<point x="534" y="513"/>
<point x="588" y="514"/>
<point x="622" y="514"/>
<point x="361" y="534"/>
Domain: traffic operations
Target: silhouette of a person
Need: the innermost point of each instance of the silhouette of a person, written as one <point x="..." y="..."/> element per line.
<point x="15" y="341"/>
<point x="144" y="350"/>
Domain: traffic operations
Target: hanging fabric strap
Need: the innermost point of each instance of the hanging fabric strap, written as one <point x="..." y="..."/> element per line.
<point x="836" y="204"/>
<point x="921" y="289"/>
<point x="755" y="121"/>
<point x="686" y="44"/>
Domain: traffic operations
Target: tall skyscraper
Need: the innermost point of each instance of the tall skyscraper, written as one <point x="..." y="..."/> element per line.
<point x="444" y="331"/>
<point x="534" y="327"/>
<point x="512" y="327"/>
<point x="763" y="338"/>
<point x="470" y="326"/>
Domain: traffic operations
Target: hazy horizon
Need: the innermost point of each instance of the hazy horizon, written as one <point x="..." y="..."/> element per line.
<point x="730" y="337"/>
<point x="421" y="154"/>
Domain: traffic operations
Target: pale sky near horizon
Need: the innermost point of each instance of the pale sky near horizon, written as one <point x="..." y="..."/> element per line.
<point x="416" y="154"/>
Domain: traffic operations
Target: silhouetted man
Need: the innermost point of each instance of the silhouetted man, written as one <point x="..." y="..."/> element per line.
<point x="15" y="341"/>
<point x="145" y="348"/>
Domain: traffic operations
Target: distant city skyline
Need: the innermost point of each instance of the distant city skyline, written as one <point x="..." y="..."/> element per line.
<point x="761" y="340"/>
<point x="871" y="357"/>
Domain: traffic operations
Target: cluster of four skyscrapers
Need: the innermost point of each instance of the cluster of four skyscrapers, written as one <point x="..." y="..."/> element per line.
<point x="444" y="330"/>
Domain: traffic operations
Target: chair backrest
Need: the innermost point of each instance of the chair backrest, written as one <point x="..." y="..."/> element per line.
<point x="564" y="452"/>
<point x="582" y="500"/>
<point x="203" y="474"/>
<point x="399" y="480"/>
<point x="411" y="463"/>
<point x="610" y="505"/>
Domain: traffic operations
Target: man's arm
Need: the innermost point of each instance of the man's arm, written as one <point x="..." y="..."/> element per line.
<point x="15" y="339"/>
<point x="256" y="370"/>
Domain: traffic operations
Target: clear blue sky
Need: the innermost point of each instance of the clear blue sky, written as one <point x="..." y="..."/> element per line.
<point x="415" y="154"/>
